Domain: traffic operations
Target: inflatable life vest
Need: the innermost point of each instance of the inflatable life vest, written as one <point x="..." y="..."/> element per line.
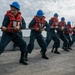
<point x="73" y="30"/>
<point x="40" y="23"/>
<point x="68" y="29"/>
<point x="62" y="25"/>
<point x="14" y="21"/>
<point x="55" y="22"/>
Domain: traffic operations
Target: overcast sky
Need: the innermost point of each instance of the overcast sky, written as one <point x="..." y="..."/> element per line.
<point x="65" y="8"/>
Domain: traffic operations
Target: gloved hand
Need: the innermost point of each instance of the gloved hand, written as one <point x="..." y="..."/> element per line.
<point x="3" y="28"/>
<point x="17" y="28"/>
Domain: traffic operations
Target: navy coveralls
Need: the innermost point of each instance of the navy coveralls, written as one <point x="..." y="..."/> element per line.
<point x="38" y="36"/>
<point x="62" y="36"/>
<point x="67" y="35"/>
<point x="14" y="37"/>
<point x="20" y="33"/>
<point x="51" y="35"/>
<point x="73" y="37"/>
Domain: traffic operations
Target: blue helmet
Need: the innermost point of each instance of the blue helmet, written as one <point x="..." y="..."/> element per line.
<point x="16" y="5"/>
<point x="68" y="23"/>
<point x="39" y="13"/>
<point x="56" y="15"/>
<point x="62" y="19"/>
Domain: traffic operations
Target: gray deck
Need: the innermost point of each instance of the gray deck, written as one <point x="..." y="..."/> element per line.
<point x="63" y="64"/>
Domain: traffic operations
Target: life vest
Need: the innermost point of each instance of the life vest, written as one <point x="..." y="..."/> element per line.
<point x="68" y="29"/>
<point x="73" y="30"/>
<point x="62" y="24"/>
<point x="55" y="20"/>
<point x="14" y="21"/>
<point x="40" y="23"/>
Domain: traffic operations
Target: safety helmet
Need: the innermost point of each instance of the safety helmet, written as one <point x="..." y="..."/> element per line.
<point x="16" y="5"/>
<point x="62" y="19"/>
<point x="40" y="13"/>
<point x="68" y="23"/>
<point x="56" y="15"/>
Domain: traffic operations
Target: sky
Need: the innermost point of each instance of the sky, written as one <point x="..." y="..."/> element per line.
<point x="64" y="8"/>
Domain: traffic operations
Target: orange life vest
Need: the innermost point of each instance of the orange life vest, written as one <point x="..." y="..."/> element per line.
<point x="73" y="30"/>
<point x="55" y="20"/>
<point x="62" y="24"/>
<point x="40" y="23"/>
<point x="14" y="21"/>
<point x="68" y="29"/>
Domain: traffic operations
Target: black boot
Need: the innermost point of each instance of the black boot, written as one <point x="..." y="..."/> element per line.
<point x="41" y="51"/>
<point x="56" y="51"/>
<point x="44" y="55"/>
<point x="66" y="49"/>
<point x="26" y="56"/>
<point x="70" y="48"/>
<point x="1" y="52"/>
<point x="63" y="47"/>
<point x="22" y="59"/>
<point x="52" y="49"/>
